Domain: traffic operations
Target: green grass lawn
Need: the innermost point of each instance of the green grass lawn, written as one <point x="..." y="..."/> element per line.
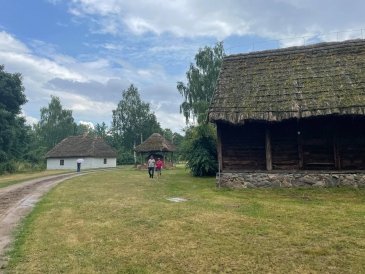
<point x="121" y="222"/>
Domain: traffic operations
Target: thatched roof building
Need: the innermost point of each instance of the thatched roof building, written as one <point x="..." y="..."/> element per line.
<point x="296" y="82"/>
<point x="155" y="143"/>
<point x="81" y="146"/>
<point x="291" y="109"/>
<point x="95" y="153"/>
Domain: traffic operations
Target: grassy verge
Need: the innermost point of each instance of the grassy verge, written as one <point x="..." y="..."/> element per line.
<point x="11" y="179"/>
<point x="122" y="222"/>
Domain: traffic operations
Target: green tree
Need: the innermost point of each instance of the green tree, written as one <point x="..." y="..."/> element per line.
<point x="177" y="140"/>
<point x="13" y="132"/>
<point x="201" y="81"/>
<point x="101" y="130"/>
<point x="132" y="122"/>
<point x="168" y="134"/>
<point x="85" y="129"/>
<point x="36" y="152"/>
<point x="55" y="124"/>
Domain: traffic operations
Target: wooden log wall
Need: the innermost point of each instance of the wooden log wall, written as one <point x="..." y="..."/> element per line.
<point x="351" y="144"/>
<point x="284" y="145"/>
<point x="326" y="143"/>
<point x="243" y="147"/>
<point x="317" y="142"/>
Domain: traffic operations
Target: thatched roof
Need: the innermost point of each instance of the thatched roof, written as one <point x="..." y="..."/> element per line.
<point x="296" y="82"/>
<point x="81" y="146"/>
<point x="155" y="143"/>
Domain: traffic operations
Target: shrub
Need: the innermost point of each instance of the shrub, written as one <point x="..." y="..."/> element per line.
<point x="199" y="148"/>
<point x="125" y="158"/>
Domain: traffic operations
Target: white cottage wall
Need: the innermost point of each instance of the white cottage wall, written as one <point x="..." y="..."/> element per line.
<point x="89" y="162"/>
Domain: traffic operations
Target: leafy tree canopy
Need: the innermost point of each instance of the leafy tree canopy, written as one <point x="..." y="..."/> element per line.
<point x="55" y="124"/>
<point x="133" y="120"/>
<point x="201" y="81"/>
<point x="13" y="132"/>
<point x="12" y="95"/>
<point x="101" y="130"/>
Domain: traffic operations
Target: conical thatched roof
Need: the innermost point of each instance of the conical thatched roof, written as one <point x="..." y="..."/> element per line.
<point x="155" y="143"/>
<point x="296" y="82"/>
<point x="81" y="146"/>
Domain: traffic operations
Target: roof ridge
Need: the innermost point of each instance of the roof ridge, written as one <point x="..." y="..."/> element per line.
<point x="295" y="49"/>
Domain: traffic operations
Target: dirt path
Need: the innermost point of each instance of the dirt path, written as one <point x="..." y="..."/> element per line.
<point x="16" y="201"/>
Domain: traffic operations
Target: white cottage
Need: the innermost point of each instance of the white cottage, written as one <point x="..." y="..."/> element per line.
<point x="94" y="152"/>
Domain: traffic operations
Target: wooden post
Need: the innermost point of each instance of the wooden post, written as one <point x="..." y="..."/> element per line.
<point x="268" y="149"/>
<point x="336" y="152"/>
<point x="219" y="148"/>
<point x="300" y="145"/>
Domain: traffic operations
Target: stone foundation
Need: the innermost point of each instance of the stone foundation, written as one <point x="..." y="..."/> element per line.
<point x="290" y="179"/>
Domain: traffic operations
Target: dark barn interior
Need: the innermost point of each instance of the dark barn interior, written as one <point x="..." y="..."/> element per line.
<point x="328" y="143"/>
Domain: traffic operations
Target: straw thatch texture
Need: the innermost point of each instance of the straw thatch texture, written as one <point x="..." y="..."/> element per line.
<point x="81" y="146"/>
<point x="296" y="82"/>
<point x="155" y="143"/>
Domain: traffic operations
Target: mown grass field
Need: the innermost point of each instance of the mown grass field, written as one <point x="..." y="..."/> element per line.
<point x="121" y="222"/>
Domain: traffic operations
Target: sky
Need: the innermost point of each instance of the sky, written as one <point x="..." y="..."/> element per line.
<point x="87" y="52"/>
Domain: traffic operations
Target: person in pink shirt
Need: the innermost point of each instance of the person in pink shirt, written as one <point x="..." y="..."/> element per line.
<point x="159" y="165"/>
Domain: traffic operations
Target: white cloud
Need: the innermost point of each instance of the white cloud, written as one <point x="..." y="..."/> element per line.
<point x="38" y="71"/>
<point x="13" y="52"/>
<point x="8" y="43"/>
<point x="84" y="105"/>
<point x="90" y="89"/>
<point x="173" y="121"/>
<point x="29" y="119"/>
<point x="88" y="124"/>
<point x="139" y="25"/>
<point x="190" y="18"/>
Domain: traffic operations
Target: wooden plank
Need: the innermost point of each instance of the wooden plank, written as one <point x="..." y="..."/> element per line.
<point x="219" y="148"/>
<point x="300" y="148"/>
<point x="268" y="149"/>
<point x="336" y="151"/>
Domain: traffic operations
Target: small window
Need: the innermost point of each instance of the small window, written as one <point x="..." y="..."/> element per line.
<point x="105" y="161"/>
<point x="62" y="162"/>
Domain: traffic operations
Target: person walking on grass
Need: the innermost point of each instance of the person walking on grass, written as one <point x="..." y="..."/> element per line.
<point x="159" y="165"/>
<point x="151" y="166"/>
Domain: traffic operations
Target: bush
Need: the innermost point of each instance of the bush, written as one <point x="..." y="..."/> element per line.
<point x="125" y="158"/>
<point x="199" y="148"/>
<point x="20" y="166"/>
<point x="25" y="166"/>
<point x="8" y="167"/>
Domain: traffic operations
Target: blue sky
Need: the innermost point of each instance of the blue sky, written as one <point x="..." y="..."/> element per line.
<point x="88" y="51"/>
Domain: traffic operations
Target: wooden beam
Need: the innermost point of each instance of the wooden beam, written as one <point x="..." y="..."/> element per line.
<point x="300" y="146"/>
<point x="336" y="151"/>
<point x="219" y="147"/>
<point x="268" y="148"/>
